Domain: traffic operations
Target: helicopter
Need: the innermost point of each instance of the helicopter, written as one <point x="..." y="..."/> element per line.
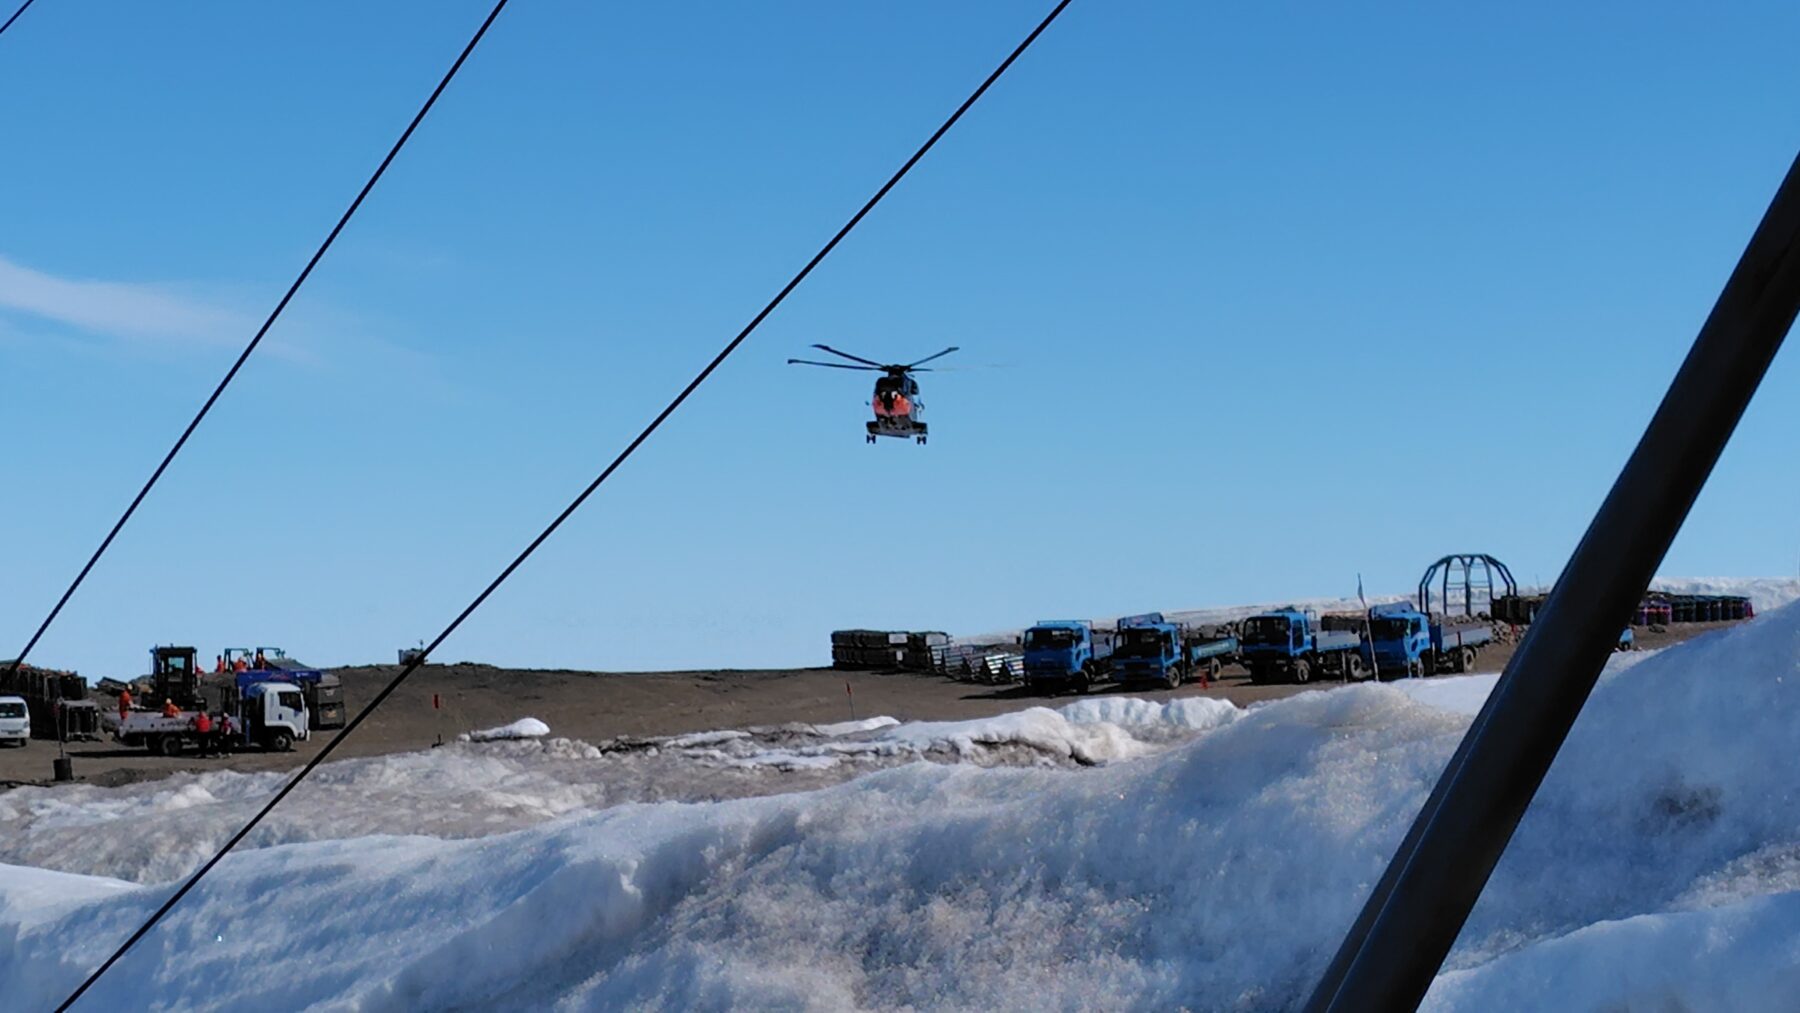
<point x="896" y="401"/>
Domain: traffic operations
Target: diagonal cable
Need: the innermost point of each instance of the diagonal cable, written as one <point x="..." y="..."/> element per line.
<point x="631" y="448"/>
<point x="244" y="356"/>
<point x="15" y="15"/>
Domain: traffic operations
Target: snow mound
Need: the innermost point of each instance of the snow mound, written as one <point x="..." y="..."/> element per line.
<point x="524" y="728"/>
<point x="853" y="727"/>
<point x="1194" y="713"/>
<point x="1657" y="868"/>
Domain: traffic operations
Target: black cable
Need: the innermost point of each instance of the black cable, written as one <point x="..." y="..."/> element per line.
<point x="257" y="340"/>
<point x="15" y="15"/>
<point x="419" y="659"/>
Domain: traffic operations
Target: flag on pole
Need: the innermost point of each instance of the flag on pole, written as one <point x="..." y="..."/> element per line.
<point x="1368" y="630"/>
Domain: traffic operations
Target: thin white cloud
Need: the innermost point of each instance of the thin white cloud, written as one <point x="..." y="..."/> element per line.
<point x="126" y="310"/>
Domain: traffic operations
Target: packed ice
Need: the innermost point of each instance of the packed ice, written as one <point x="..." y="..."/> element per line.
<point x="1115" y="852"/>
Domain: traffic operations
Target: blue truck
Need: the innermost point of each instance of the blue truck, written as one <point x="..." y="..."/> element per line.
<point x="1287" y="645"/>
<point x="1149" y="648"/>
<point x="1406" y="642"/>
<point x="1066" y="653"/>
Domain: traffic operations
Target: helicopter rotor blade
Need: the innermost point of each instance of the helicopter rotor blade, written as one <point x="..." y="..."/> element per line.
<point x="831" y="365"/>
<point x="939" y="355"/>
<point x="847" y="355"/>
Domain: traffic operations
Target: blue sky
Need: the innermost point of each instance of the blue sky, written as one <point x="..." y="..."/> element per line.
<point x="1260" y="296"/>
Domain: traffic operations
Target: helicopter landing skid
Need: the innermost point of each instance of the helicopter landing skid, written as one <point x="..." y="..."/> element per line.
<point x="897" y="428"/>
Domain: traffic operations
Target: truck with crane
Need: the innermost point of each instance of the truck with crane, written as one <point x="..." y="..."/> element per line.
<point x="1288" y="645"/>
<point x="1403" y="641"/>
<point x="324" y="692"/>
<point x="264" y="714"/>
<point x="1149" y="648"/>
<point x="1062" y="653"/>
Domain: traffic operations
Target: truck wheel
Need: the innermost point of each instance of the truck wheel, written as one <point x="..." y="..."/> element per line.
<point x="1353" y="666"/>
<point x="280" y="741"/>
<point x="1468" y="659"/>
<point x="1302" y="672"/>
<point x="1212" y="669"/>
<point x="1415" y="668"/>
<point x="1428" y="664"/>
<point x="172" y="745"/>
<point x="155" y="745"/>
<point x="1174" y="679"/>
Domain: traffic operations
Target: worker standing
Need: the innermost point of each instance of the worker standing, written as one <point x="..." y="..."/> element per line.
<point x="170" y="710"/>
<point x="261" y="663"/>
<point x="203" y="730"/>
<point x="124" y="703"/>
<point x="239" y="665"/>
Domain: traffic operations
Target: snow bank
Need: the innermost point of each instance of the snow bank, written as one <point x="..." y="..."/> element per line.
<point x="1658" y="867"/>
<point x="524" y="728"/>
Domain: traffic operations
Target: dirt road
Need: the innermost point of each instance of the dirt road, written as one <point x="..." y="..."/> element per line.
<point x="596" y="706"/>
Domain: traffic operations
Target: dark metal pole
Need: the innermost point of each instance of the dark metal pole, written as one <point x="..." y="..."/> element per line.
<point x="1411" y="920"/>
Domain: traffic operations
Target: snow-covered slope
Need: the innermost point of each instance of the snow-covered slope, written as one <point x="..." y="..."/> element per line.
<point x="1214" y="863"/>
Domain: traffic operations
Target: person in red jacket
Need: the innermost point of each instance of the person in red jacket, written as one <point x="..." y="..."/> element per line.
<point x="124" y="703"/>
<point x="203" y="730"/>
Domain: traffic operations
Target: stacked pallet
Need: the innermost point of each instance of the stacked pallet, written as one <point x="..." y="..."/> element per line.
<point x="867" y="648"/>
<point x="878" y="649"/>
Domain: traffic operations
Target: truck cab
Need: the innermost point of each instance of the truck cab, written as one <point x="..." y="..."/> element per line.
<point x="1404" y="641"/>
<point x="324" y="690"/>
<point x="272" y="715"/>
<point x="1065" y="651"/>
<point x="1399" y="639"/>
<point x="1287" y="643"/>
<point x="1147" y="648"/>
<point x="1278" y="635"/>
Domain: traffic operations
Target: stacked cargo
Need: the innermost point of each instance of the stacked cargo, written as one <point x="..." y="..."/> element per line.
<point x="1656" y="609"/>
<point x="868" y="648"/>
<point x="919" y="647"/>
<point x="886" y="649"/>
<point x="1694" y="608"/>
<point x="1519" y="609"/>
<point x="57" y="700"/>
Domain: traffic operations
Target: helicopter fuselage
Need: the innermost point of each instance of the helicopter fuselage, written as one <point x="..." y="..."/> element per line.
<point x="898" y="410"/>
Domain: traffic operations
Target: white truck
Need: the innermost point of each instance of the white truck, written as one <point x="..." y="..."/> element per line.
<point x="15" y="721"/>
<point x="268" y="715"/>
